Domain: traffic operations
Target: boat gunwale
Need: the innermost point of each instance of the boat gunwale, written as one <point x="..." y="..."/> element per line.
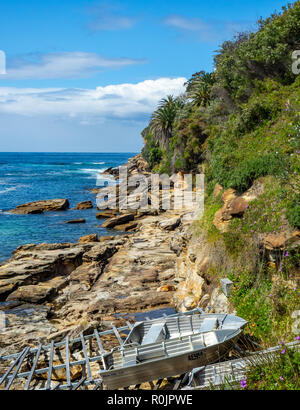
<point x="237" y="331"/>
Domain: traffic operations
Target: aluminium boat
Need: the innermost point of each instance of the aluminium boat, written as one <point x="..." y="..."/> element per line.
<point x="170" y="346"/>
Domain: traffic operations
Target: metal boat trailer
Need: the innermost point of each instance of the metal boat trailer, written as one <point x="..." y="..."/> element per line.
<point x="33" y="364"/>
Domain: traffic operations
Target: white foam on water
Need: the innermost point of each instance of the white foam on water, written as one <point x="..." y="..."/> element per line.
<point x="12" y="188"/>
<point x="92" y="171"/>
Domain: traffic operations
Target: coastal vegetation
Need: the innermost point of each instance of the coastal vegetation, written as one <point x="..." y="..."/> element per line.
<point x="240" y="125"/>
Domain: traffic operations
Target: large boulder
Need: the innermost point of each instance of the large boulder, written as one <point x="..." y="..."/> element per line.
<point x="38" y="207"/>
<point x="110" y="213"/>
<point x="170" y="224"/>
<point x="39" y="293"/>
<point x="39" y="263"/>
<point x="93" y="237"/>
<point x="281" y="241"/>
<point x="130" y="226"/>
<point x="118" y="220"/>
<point x="84" y="205"/>
<point x="76" y="221"/>
<point x="234" y="207"/>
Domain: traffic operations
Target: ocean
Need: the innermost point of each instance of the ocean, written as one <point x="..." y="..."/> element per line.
<point x="27" y="177"/>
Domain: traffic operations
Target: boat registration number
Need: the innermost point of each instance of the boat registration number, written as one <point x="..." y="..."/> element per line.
<point x="195" y="356"/>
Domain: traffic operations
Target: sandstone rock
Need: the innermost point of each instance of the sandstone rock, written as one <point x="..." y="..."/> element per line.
<point x="204" y="301"/>
<point x="166" y="288"/>
<point x="217" y="190"/>
<point x="188" y="303"/>
<point x="106" y="214"/>
<point x="170" y="224"/>
<point x="84" y="205"/>
<point x="228" y="195"/>
<point x="111" y="171"/>
<point x="38" y="293"/>
<point x="234" y="207"/>
<point x="130" y="226"/>
<point x="59" y="375"/>
<point x="99" y="252"/>
<point x="25" y="325"/>
<point x="118" y="220"/>
<point x="219" y="222"/>
<point x="106" y="238"/>
<point x="38" y="263"/>
<point x="76" y="221"/>
<point x="93" y="237"/>
<point x="282" y="240"/>
<point x="85" y="275"/>
<point x="254" y="191"/>
<point x="41" y="206"/>
<point x="219" y="302"/>
<point x="117" y="276"/>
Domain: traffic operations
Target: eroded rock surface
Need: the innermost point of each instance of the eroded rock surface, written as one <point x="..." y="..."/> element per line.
<point x="58" y="288"/>
<point x="39" y="207"/>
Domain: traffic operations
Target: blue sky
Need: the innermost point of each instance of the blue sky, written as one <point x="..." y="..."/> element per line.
<point x="85" y="75"/>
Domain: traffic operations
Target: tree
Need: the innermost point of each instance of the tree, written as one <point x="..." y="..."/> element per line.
<point x="199" y="88"/>
<point x="162" y="120"/>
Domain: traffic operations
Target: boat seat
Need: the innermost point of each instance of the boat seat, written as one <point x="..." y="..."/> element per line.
<point x="156" y="333"/>
<point x="151" y="354"/>
<point x="209" y="324"/>
<point x="129" y="359"/>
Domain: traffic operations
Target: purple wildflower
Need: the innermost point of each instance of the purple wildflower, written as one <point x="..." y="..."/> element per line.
<point x="283" y="351"/>
<point x="297" y="338"/>
<point x="281" y="378"/>
<point x="244" y="383"/>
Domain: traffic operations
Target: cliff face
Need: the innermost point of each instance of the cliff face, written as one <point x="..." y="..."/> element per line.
<point x="240" y="126"/>
<point x="264" y="267"/>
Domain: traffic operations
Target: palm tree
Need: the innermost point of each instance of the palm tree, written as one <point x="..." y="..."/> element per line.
<point x="200" y="89"/>
<point x="162" y="120"/>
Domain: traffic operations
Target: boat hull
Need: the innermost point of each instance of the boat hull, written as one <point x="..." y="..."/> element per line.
<point x="167" y="366"/>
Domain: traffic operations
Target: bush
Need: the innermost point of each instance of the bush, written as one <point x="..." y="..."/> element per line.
<point x="151" y="151"/>
<point x="254" y="113"/>
<point x="293" y="212"/>
<point x="242" y="176"/>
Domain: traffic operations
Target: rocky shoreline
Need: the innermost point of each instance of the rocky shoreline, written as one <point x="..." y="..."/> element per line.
<point x="50" y="290"/>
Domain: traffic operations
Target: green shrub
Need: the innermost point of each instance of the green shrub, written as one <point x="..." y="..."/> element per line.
<point x="151" y="151"/>
<point x="255" y="113"/>
<point x="242" y="176"/>
<point x="293" y="212"/>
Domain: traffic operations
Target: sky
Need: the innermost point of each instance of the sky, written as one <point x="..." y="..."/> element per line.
<point x="85" y="76"/>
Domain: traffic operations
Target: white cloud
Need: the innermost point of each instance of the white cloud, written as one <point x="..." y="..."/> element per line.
<point x="206" y="31"/>
<point x="63" y="65"/>
<point x="107" y="16"/>
<point x="123" y="101"/>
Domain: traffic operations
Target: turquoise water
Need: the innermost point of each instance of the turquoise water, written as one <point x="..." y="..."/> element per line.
<point x="27" y="177"/>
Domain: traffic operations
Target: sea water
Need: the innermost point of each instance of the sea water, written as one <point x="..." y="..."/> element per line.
<point x="27" y="177"/>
